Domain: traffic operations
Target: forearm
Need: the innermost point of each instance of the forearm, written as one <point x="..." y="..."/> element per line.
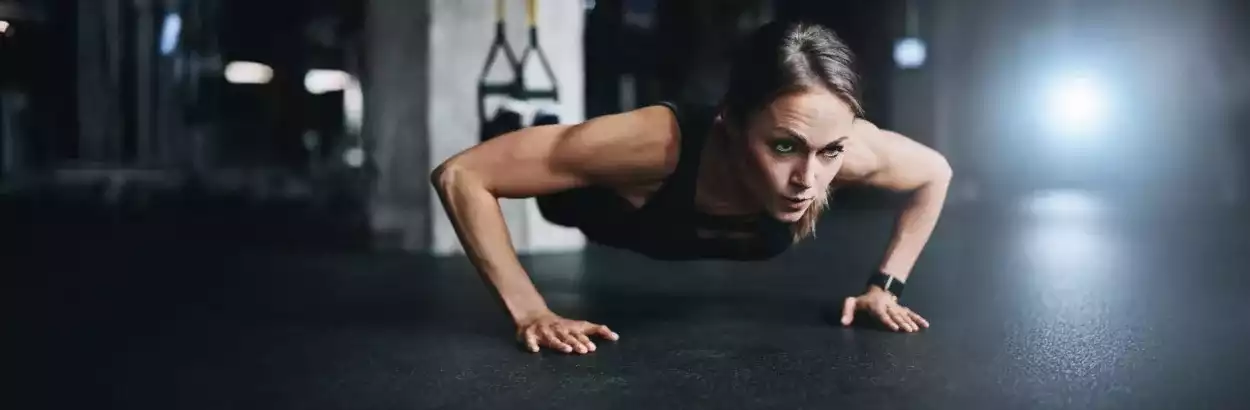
<point x="913" y="227"/>
<point x="480" y="226"/>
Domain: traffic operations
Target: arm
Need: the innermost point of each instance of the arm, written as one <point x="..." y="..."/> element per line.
<point x="888" y="160"/>
<point x="615" y="150"/>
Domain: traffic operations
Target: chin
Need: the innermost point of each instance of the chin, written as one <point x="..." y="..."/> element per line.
<point x="789" y="216"/>
<point x="789" y="212"/>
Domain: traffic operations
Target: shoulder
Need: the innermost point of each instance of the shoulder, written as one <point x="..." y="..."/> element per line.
<point x="862" y="151"/>
<point x="888" y="159"/>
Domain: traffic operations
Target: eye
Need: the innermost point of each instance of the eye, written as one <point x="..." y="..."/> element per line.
<point x="784" y="147"/>
<point x="833" y="152"/>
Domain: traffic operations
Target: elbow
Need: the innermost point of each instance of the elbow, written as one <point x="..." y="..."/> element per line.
<point x="439" y="177"/>
<point x="450" y="175"/>
<point x="934" y="174"/>
<point x="942" y="171"/>
<point x="446" y="175"/>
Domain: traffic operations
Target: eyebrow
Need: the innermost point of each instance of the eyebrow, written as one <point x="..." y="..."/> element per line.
<point x="837" y="142"/>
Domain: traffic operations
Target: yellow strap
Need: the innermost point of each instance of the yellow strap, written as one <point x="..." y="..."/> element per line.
<point x="530" y="11"/>
<point x="499" y="11"/>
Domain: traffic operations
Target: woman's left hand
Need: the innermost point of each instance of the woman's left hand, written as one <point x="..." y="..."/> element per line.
<point x="885" y="307"/>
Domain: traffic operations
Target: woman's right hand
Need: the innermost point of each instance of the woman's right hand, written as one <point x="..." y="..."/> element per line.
<point x="566" y="335"/>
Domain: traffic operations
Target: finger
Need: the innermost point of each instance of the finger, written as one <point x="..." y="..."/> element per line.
<point x="904" y="314"/>
<point x="600" y="330"/>
<point x="848" y="311"/>
<point x="919" y="319"/>
<point x="884" y="316"/>
<point x="570" y="337"/>
<point x="531" y="339"/>
<point x="901" y="318"/>
<point x="590" y="346"/>
<point x="911" y="319"/>
<point x="916" y="320"/>
<point x="550" y="338"/>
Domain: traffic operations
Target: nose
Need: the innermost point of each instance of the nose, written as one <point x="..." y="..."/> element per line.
<point x="804" y="174"/>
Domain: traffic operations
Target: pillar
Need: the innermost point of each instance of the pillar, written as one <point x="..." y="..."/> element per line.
<point x="396" y="96"/>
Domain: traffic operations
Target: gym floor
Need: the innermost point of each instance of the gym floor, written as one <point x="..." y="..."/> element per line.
<point x="1057" y="303"/>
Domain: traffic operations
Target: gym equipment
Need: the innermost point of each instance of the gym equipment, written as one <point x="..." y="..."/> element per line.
<point x="533" y="49"/>
<point x="490" y="127"/>
<point x="544" y="117"/>
<point x="505" y="120"/>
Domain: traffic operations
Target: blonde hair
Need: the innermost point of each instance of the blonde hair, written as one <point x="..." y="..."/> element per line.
<point x="806" y="225"/>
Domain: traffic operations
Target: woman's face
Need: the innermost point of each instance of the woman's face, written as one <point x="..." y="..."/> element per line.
<point x="794" y="147"/>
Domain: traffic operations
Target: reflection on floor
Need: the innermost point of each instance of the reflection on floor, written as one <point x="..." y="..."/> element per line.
<point x="1064" y="301"/>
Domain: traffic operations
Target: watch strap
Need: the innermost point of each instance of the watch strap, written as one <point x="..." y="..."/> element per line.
<point x="888" y="283"/>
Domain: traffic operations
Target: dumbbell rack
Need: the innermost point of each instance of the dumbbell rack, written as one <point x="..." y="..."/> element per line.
<point x="517" y="88"/>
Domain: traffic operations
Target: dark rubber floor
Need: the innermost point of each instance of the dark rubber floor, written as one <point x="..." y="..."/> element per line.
<point x="1055" y="306"/>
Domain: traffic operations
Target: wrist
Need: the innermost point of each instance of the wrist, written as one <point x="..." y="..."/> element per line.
<point x="525" y="315"/>
<point x="881" y="282"/>
<point x="522" y="301"/>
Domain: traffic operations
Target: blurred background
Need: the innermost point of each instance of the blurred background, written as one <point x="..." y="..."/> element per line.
<point x="223" y="202"/>
<point x="316" y="122"/>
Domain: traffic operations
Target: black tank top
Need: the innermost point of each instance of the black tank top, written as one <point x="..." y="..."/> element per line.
<point x="668" y="226"/>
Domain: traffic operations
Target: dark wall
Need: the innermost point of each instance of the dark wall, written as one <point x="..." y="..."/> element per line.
<point x="683" y="49"/>
<point x="37" y="61"/>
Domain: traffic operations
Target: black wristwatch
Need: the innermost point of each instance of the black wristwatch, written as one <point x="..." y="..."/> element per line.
<point x="888" y="283"/>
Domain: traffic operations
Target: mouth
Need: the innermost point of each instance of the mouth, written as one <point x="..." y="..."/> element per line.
<point x="796" y="202"/>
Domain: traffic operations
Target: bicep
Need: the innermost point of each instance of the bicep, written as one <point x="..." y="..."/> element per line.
<point x="889" y="160"/>
<point x="543" y="159"/>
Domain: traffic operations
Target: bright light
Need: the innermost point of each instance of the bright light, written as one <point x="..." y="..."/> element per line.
<point x="170" y="30"/>
<point x="248" y="72"/>
<point x="324" y="81"/>
<point x="1064" y="204"/>
<point x="4" y="26"/>
<point x="354" y="157"/>
<point x="909" y="52"/>
<point x="353" y="107"/>
<point x="1078" y="105"/>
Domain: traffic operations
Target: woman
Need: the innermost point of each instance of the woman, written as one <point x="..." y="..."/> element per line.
<point x="742" y="181"/>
